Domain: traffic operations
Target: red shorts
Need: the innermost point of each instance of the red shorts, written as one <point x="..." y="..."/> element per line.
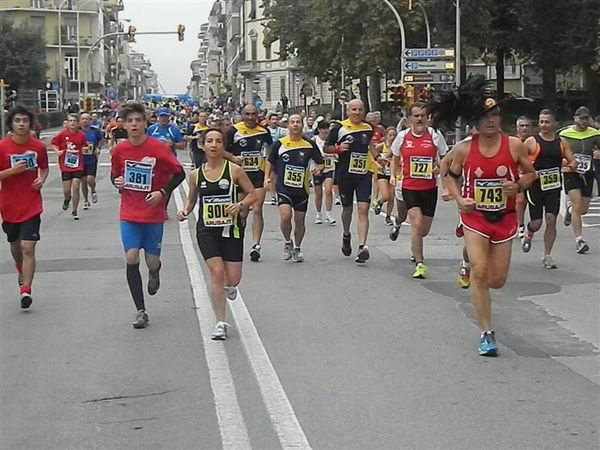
<point x="498" y="232"/>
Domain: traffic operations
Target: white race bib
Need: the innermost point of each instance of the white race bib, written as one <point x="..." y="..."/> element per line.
<point x="138" y="176"/>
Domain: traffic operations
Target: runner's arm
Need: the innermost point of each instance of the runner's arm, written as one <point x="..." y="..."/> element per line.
<point x="192" y="196"/>
<point x="241" y="179"/>
<point x="528" y="173"/>
<point x="568" y="154"/>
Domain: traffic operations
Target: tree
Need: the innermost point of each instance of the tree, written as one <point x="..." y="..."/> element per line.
<point x="22" y="56"/>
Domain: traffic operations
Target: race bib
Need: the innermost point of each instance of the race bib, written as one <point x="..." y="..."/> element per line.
<point x="251" y="161"/>
<point x="421" y="167"/>
<point x="358" y="163"/>
<point x="72" y="159"/>
<point x="213" y="211"/>
<point x="328" y="163"/>
<point x="550" y="178"/>
<point x="489" y="195"/>
<point x="89" y="149"/>
<point x="387" y="171"/>
<point x="138" y="176"/>
<point x="584" y="162"/>
<point x="30" y="158"/>
<point x="294" y="176"/>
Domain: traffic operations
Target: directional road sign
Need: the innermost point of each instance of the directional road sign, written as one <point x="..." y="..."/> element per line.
<point x="428" y="53"/>
<point x="430" y="78"/>
<point x="426" y="66"/>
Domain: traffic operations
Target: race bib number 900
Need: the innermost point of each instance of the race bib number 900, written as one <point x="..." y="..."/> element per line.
<point x="550" y="179"/>
<point x="138" y="176"/>
<point x="358" y="163"/>
<point x="251" y="161"/>
<point x="213" y="210"/>
<point x="489" y="195"/>
<point x="421" y="167"/>
<point x="294" y="176"/>
<point x="29" y="158"/>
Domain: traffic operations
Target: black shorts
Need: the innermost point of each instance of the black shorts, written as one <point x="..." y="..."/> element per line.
<point x="213" y="245"/>
<point x="68" y="176"/>
<point x="381" y="176"/>
<point x="318" y="180"/>
<point x="425" y="200"/>
<point x="540" y="201"/>
<point x="350" y="184"/>
<point x="24" y="231"/>
<point x="257" y="178"/>
<point x="336" y="174"/>
<point x="583" y="182"/>
<point x="90" y="169"/>
<point x="298" y="202"/>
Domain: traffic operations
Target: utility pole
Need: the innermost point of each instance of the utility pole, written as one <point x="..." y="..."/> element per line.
<point x="2" y="100"/>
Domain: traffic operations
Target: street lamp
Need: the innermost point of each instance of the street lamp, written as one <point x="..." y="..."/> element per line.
<point x="402" y="36"/>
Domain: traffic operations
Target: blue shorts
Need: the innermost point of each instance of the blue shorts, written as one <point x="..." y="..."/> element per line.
<point x="142" y="235"/>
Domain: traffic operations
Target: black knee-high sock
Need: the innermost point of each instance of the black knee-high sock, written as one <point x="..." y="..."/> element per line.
<point x="134" y="280"/>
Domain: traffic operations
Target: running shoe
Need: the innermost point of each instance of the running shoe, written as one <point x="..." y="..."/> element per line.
<point x="374" y="204"/>
<point x="220" y="331"/>
<point x="153" y="282"/>
<point x="65" y="204"/>
<point x="567" y="220"/>
<point x="287" y="251"/>
<point x="26" y="300"/>
<point x="487" y="344"/>
<point x="75" y="215"/>
<point x="338" y="201"/>
<point x="420" y="271"/>
<point x="377" y="208"/>
<point x="231" y="292"/>
<point x="255" y="253"/>
<point x="20" y="279"/>
<point x="86" y="205"/>
<point x="459" y="231"/>
<point x="363" y="255"/>
<point x="388" y="221"/>
<point x="347" y="245"/>
<point x="329" y="220"/>
<point x="464" y="276"/>
<point x="94" y="197"/>
<point x="521" y="232"/>
<point x="273" y="201"/>
<point x="318" y="219"/>
<point x="549" y="263"/>
<point x="395" y="231"/>
<point x="526" y="243"/>
<point x="581" y="246"/>
<point x="412" y="258"/>
<point x="141" y="319"/>
<point x="297" y="255"/>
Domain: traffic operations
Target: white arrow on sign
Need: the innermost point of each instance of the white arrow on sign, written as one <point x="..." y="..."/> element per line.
<point x="428" y="53"/>
<point x="424" y="66"/>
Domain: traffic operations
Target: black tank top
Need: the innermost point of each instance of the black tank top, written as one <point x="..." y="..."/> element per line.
<point x="213" y="197"/>
<point x="549" y="155"/>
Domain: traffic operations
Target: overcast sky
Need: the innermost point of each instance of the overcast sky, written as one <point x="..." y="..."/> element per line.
<point x="170" y="58"/>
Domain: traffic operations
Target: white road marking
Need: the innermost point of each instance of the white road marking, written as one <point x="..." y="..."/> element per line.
<point x="282" y="415"/>
<point x="234" y="434"/>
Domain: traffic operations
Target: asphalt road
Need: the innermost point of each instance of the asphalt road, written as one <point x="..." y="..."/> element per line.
<point x="324" y="354"/>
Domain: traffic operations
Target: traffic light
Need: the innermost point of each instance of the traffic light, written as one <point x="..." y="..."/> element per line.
<point x="423" y="95"/>
<point x="180" y="31"/>
<point x="410" y="95"/>
<point x="398" y="95"/>
<point x="89" y="104"/>
<point x="131" y="33"/>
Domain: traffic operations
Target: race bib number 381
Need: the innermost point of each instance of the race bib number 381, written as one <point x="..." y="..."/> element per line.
<point x="30" y="158"/>
<point x="138" y="176"/>
<point x="489" y="195"/>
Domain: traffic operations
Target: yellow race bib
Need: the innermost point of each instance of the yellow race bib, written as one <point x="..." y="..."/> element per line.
<point x="294" y="176"/>
<point x="421" y="167"/>
<point x="489" y="195"/>
<point x="213" y="211"/>
<point x="550" y="178"/>
<point x="251" y="161"/>
<point x="328" y="163"/>
<point x="358" y="163"/>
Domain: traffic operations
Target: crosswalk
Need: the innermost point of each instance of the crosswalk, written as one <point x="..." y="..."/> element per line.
<point x="592" y="218"/>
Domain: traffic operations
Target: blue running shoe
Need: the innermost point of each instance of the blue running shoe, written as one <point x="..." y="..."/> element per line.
<point x="487" y="344"/>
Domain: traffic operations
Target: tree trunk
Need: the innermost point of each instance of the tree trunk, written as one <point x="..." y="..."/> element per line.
<point x="364" y="92"/>
<point x="375" y="91"/>
<point x="500" y="52"/>
<point x="592" y="84"/>
<point x="549" y="85"/>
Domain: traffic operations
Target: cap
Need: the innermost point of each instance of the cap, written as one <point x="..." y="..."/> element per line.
<point x="582" y="111"/>
<point x="163" y="111"/>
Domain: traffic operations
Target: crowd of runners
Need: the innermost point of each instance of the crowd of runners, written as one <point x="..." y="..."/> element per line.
<point x="243" y="161"/>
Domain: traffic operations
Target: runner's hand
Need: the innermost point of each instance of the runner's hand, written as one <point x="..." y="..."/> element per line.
<point x="19" y="167"/>
<point x="344" y="146"/>
<point x="38" y="183"/>
<point x="119" y="183"/>
<point x="232" y="209"/>
<point x="154" y="198"/>
<point x="267" y="183"/>
<point x="181" y="215"/>
<point x="446" y="196"/>
<point x="510" y="188"/>
<point x="466" y="205"/>
<point x="239" y="160"/>
<point x="393" y="181"/>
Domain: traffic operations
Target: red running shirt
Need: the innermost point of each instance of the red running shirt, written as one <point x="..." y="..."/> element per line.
<point x="19" y="202"/>
<point x="483" y="177"/>
<point x="419" y="157"/>
<point x="72" y="159"/>
<point x="145" y="168"/>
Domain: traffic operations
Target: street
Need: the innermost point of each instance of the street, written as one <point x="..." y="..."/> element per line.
<point x="325" y="354"/>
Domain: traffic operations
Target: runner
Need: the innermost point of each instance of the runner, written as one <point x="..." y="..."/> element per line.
<point x="324" y="181"/>
<point x="585" y="145"/>
<point x="546" y="152"/>
<point x="90" y="159"/>
<point x="23" y="172"/>
<point x="419" y="149"/>
<point x="145" y="172"/>
<point x="247" y="145"/>
<point x="219" y="230"/>
<point x="351" y="140"/>
<point x="384" y="175"/>
<point x="489" y="163"/>
<point x="290" y="159"/>
<point x="277" y="133"/>
<point x="524" y="132"/>
<point x="166" y="131"/>
<point x="118" y="134"/>
<point x="194" y="135"/>
<point x="68" y="145"/>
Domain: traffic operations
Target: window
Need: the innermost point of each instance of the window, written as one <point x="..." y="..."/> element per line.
<point x="253" y="50"/>
<point x="282" y="86"/>
<point x="268" y="51"/>
<point x="37" y="23"/>
<point x="268" y="95"/>
<point x="252" y="13"/>
<point x="72" y="68"/>
<point x="37" y="3"/>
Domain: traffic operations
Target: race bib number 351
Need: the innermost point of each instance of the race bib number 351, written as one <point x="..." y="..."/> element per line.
<point x="358" y="163"/>
<point x="294" y="176"/>
<point x="138" y="176"/>
<point x="489" y="195"/>
<point x="421" y="167"/>
<point x="213" y="211"/>
<point x="29" y="158"/>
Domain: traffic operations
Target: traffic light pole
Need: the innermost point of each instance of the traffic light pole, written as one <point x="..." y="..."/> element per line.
<point x="104" y="36"/>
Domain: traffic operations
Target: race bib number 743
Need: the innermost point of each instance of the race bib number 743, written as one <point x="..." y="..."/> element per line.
<point x="489" y="195"/>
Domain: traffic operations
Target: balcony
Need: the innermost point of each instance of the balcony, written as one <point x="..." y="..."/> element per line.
<point x="248" y="67"/>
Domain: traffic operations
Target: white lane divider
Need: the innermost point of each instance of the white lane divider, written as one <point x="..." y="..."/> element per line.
<point x="282" y="415"/>
<point x="234" y="434"/>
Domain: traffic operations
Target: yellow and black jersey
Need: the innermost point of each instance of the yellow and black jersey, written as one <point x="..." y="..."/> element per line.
<point x="290" y="160"/>
<point x="355" y="160"/>
<point x="249" y="143"/>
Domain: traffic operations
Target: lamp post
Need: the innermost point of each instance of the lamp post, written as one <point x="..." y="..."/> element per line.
<point x="402" y="36"/>
<point x="428" y="30"/>
<point x="60" y="61"/>
<point x="458" y="130"/>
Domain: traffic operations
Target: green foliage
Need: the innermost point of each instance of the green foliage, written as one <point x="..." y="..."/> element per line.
<point x="22" y="56"/>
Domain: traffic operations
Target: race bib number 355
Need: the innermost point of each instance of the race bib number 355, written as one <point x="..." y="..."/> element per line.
<point x="358" y="163"/>
<point x="489" y="195"/>
<point x="294" y="176"/>
<point x="213" y="210"/>
<point x="550" y="179"/>
<point x="138" y="176"/>
<point x="29" y="158"/>
<point x="421" y="167"/>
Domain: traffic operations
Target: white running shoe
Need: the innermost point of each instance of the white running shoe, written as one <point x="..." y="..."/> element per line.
<point x="287" y="251"/>
<point x="330" y="220"/>
<point x="220" y="331"/>
<point x="231" y="292"/>
<point x="297" y="255"/>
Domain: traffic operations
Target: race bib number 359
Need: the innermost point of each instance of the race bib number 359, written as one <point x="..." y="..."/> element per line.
<point x="550" y="179"/>
<point x="358" y="163"/>
<point x="29" y="158"/>
<point x="489" y="195"/>
<point x="138" y="176"/>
